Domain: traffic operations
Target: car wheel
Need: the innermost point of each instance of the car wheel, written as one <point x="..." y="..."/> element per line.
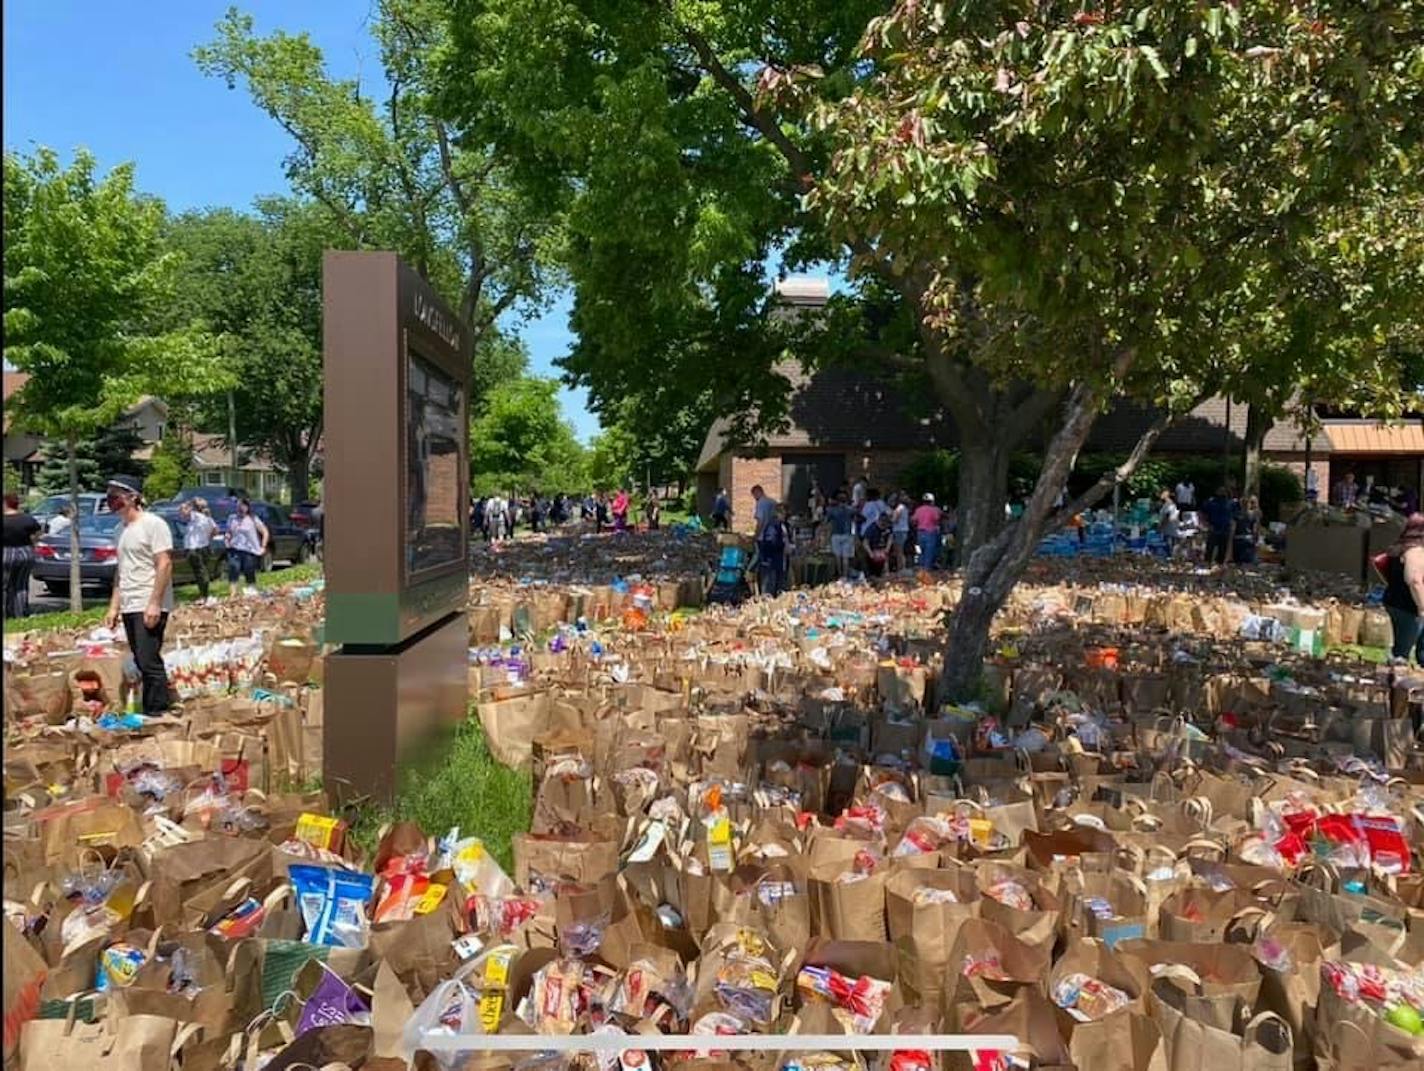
<point x="304" y="553"/>
<point x="266" y="566"/>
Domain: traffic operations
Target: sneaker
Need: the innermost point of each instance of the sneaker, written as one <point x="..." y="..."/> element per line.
<point x="250" y="593"/>
<point x="211" y="600"/>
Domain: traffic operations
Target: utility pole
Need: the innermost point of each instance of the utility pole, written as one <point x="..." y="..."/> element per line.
<point x="232" y="440"/>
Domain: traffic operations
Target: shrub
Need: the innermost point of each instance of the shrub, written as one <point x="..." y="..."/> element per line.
<point x="1279" y="486"/>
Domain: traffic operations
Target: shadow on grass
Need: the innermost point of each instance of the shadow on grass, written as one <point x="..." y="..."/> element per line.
<point x="465" y="788"/>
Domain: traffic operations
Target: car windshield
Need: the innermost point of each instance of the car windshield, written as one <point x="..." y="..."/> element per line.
<point x="50" y="504"/>
<point x="100" y="523"/>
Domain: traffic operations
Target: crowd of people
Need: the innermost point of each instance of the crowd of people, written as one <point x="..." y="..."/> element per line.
<point x="868" y="534"/>
<point x="498" y="517"/>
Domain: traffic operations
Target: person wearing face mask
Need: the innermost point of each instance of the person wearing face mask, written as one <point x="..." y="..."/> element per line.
<point x="143" y="588"/>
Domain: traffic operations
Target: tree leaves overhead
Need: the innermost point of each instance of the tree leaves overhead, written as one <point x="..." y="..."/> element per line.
<point x="88" y="288"/>
<point x="521" y="442"/>
<point x="256" y="279"/>
<point x="381" y="160"/>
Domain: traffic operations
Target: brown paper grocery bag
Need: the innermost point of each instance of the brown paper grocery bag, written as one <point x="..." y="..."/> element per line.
<point x="846" y="909"/>
<point x="290" y="657"/>
<point x="1375" y="629"/>
<point x="924" y="924"/>
<point x="1035" y="926"/>
<point x="512" y="722"/>
<point x="1264" y="1044"/>
<point x="1201" y="915"/>
<point x="1127" y="1041"/>
<point x="102" y="825"/>
<point x="39" y="693"/>
<point x="24" y="979"/>
<point x="1030" y="1018"/>
<point x="1224" y="977"/>
<point x="115" y="1043"/>
<point x="988" y="968"/>
<point x="543" y="860"/>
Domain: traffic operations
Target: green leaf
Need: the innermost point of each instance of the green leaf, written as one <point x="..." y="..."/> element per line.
<point x="1155" y="62"/>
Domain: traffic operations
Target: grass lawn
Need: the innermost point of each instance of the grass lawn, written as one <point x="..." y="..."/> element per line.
<point x="1378" y="655"/>
<point x="466" y="788"/>
<point x="182" y="592"/>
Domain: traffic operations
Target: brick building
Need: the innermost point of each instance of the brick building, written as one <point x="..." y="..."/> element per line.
<point x="845" y="424"/>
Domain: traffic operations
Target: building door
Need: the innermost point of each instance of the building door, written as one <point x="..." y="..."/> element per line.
<point x="797" y="471"/>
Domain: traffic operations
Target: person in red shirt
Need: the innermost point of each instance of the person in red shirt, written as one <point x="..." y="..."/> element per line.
<point x="926" y="519"/>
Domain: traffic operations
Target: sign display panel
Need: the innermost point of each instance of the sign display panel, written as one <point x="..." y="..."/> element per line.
<point x="435" y="422"/>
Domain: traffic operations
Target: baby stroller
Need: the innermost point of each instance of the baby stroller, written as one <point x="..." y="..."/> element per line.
<point x="729" y="584"/>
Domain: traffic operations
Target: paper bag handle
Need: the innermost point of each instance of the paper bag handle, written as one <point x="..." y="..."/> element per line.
<point x="1248" y="1035"/>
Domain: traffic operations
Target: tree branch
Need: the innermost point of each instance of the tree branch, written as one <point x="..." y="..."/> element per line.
<point x="1093" y="495"/>
<point x="739" y="93"/>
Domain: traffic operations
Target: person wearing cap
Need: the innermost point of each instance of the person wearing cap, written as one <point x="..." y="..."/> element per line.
<point x="143" y="588"/>
<point x="927" y="519"/>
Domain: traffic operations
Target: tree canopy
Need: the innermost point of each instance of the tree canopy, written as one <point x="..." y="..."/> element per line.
<point x="1039" y="206"/>
<point x="87" y="284"/>
<point x="521" y="442"/>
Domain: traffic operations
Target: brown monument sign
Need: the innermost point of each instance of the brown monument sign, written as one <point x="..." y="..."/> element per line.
<point x="397" y="365"/>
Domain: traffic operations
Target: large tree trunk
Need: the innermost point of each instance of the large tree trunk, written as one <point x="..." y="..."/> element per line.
<point x="983" y="492"/>
<point x="1258" y="422"/>
<point x="992" y="570"/>
<point x="76" y="595"/>
<point x="299" y="476"/>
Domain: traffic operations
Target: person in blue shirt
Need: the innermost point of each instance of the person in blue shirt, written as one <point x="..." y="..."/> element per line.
<point x="1220" y="514"/>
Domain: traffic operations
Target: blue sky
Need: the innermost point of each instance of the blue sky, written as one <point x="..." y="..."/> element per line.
<point x="118" y="79"/>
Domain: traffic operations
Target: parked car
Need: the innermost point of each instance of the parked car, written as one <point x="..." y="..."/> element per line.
<point x="91" y="503"/>
<point x="302" y="514"/>
<point x="98" y="553"/>
<point x="286" y="541"/>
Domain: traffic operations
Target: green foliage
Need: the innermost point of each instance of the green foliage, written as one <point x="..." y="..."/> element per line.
<point x="1149" y="478"/>
<point x="612" y="458"/>
<point x="173" y="468"/>
<point x="86" y="279"/>
<point x="521" y="442"/>
<point x="52" y="477"/>
<point x="386" y="167"/>
<point x="257" y="280"/>
<point x="467" y="788"/>
<point x="114" y="448"/>
<point x="1279" y="486"/>
<point x="13" y="484"/>
<point x="86" y="282"/>
<point x="935" y="471"/>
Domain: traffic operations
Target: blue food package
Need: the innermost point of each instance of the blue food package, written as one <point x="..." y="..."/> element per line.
<point x="332" y="902"/>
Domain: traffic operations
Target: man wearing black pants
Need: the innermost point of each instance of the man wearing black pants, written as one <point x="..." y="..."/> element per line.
<point x="143" y="588"/>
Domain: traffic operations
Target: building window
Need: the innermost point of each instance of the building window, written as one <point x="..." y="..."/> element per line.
<point x="213" y="478"/>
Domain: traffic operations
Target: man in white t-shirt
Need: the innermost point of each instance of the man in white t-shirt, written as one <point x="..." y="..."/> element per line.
<point x="143" y="588"/>
<point x="871" y="511"/>
<point x="1186" y="495"/>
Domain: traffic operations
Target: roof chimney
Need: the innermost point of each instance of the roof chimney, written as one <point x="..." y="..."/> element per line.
<point x="803" y="290"/>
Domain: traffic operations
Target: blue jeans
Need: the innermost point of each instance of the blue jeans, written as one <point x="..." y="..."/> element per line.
<point x="244" y="563"/>
<point x="1408" y="633"/>
<point x="929" y="550"/>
